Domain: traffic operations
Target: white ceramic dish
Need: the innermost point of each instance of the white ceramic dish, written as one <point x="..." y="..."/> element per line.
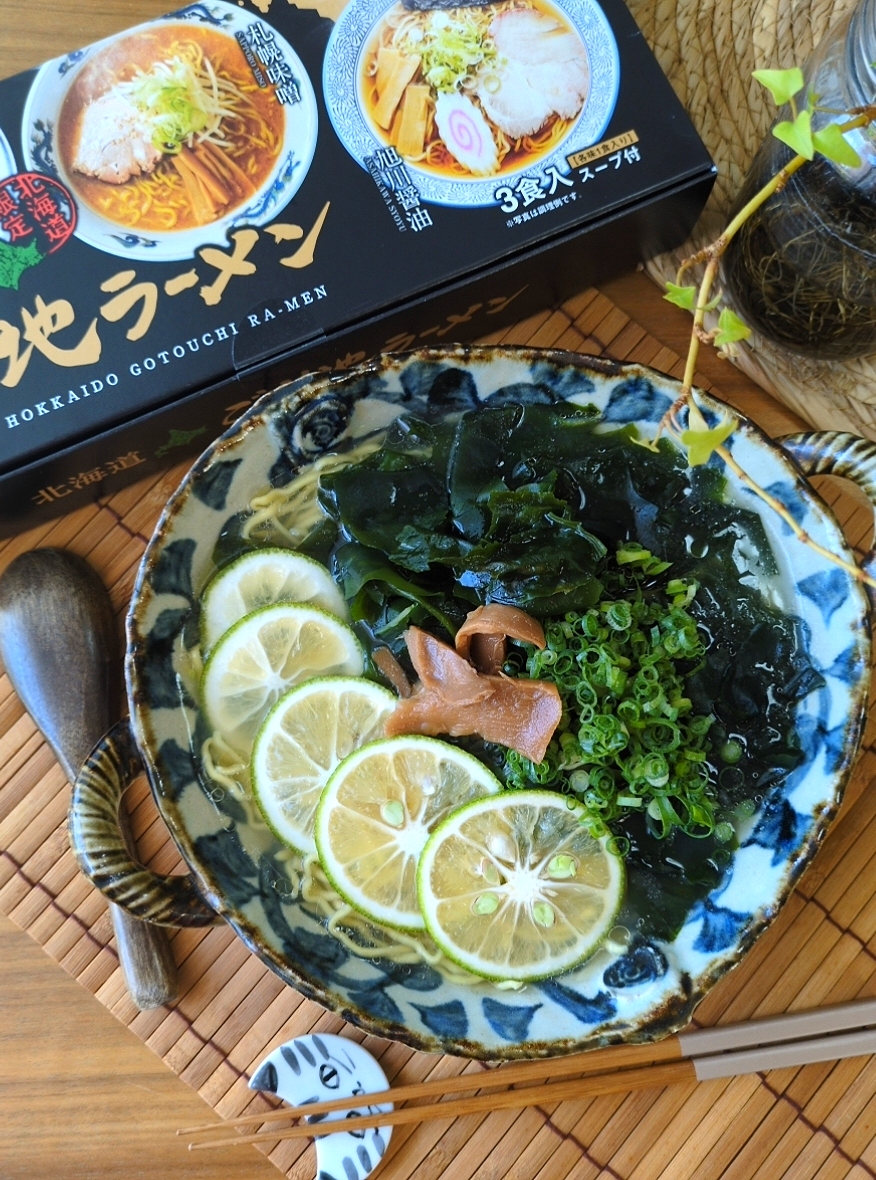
<point x="7" y="160"/>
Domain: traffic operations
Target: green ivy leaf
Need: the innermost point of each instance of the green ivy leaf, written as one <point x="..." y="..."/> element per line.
<point x="730" y="329"/>
<point x="797" y="135"/>
<point x="701" y="443"/>
<point x="782" y="84"/>
<point x="681" y="296"/>
<point x="831" y="142"/>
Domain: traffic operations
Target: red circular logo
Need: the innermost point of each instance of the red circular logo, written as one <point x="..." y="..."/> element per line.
<point x="36" y="211"/>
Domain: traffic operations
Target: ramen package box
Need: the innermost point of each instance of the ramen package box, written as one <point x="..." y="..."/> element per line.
<point x="229" y="197"/>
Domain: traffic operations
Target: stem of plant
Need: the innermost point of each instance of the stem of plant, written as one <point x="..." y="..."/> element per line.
<point x="712" y="255"/>
<point x="778" y="507"/>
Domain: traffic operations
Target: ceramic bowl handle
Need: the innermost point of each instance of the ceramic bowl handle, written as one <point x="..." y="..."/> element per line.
<point x="832" y="452"/>
<point x="99" y="846"/>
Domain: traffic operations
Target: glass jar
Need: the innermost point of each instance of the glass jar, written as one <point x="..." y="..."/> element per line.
<point x="802" y="270"/>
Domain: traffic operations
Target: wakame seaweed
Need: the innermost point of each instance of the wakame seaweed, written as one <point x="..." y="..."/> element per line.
<point x="469" y="505"/>
<point x="528" y="505"/>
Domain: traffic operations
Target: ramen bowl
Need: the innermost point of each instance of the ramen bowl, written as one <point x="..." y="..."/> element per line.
<point x="642" y="983"/>
<point x="153" y="216"/>
<point x="350" y="74"/>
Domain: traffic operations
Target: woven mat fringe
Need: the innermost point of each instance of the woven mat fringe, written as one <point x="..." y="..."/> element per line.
<point x="708" y="50"/>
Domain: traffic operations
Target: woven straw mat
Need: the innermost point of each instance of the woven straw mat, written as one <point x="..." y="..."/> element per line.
<point x="708" y="49"/>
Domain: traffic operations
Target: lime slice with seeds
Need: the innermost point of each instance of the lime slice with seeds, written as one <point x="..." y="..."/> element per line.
<point x="515" y="888"/>
<point x="263" y="656"/>
<point x="305" y="736"/>
<point x="375" y="815"/>
<point x="261" y="578"/>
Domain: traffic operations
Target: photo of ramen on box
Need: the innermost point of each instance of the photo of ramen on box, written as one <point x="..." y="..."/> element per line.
<point x="182" y="135"/>
<point x="472" y="93"/>
<point x="171" y="134"/>
<point x="475" y="91"/>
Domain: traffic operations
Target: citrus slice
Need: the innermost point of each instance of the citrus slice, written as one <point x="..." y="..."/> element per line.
<point x="266" y="654"/>
<point x="261" y="578"/>
<point x="515" y="888"/>
<point x="305" y="736"/>
<point x="375" y="815"/>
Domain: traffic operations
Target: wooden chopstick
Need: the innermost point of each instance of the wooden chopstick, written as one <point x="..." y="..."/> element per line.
<point x="667" y="1074"/>
<point x="698" y="1043"/>
<point x="771" y="1030"/>
<point x="859" y="1043"/>
<point x="597" y="1061"/>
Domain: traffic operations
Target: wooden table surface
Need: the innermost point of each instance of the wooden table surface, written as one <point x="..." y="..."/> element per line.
<point x="80" y="1095"/>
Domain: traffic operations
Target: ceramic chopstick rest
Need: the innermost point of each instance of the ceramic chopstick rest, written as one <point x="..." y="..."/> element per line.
<point x="320" y="1066"/>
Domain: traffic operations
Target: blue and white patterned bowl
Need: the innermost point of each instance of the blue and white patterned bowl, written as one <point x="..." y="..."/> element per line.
<point x="619" y="995"/>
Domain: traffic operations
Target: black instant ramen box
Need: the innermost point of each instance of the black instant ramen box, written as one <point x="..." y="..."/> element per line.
<point x="229" y="197"/>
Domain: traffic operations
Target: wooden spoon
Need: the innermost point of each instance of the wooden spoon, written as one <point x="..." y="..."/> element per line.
<point x="58" y="644"/>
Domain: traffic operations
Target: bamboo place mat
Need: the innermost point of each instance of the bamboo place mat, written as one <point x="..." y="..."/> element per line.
<point x="819" y="1121"/>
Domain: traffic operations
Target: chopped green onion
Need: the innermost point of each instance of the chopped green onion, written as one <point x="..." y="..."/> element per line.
<point x="629" y="739"/>
<point x="180" y="102"/>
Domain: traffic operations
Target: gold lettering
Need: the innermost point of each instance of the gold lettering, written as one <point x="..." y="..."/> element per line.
<point x="598" y="150"/>
<point x="117" y="307"/>
<point x="39" y="326"/>
<point x="181" y="282"/>
<point x="303" y="256"/>
<point x="228" y="264"/>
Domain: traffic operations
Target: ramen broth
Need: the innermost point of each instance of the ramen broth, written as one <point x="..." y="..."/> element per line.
<point x="251" y="136"/>
<point x="501" y="132"/>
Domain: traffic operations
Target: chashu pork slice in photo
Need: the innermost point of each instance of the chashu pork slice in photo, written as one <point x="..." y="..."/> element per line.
<point x="115" y="141"/>
<point x="542" y="70"/>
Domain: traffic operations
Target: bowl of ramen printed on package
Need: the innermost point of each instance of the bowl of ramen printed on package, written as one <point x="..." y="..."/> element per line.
<point x="479" y="721"/>
<point x="165" y="136"/>
<point x="471" y="97"/>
